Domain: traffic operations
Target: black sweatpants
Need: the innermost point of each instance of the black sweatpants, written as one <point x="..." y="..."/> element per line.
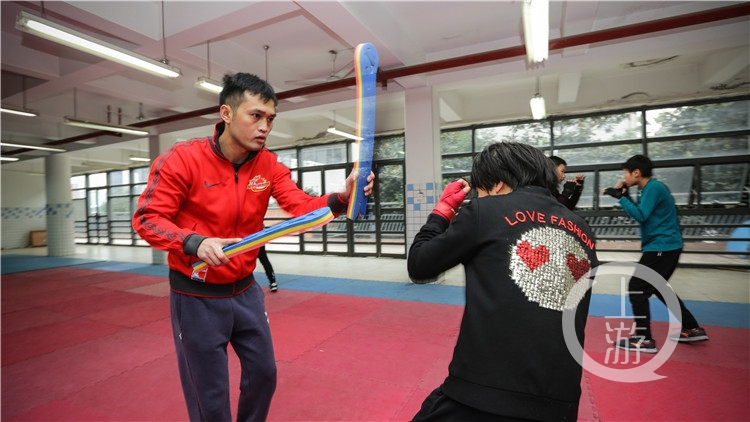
<point x="664" y="263"/>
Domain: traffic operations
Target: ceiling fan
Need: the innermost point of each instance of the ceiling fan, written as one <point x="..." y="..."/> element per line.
<point x="335" y="75"/>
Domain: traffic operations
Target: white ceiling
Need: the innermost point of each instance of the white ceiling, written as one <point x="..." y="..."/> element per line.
<point x="612" y="69"/>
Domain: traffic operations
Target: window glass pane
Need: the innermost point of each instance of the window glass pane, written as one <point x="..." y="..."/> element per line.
<point x="703" y="118"/>
<point x="722" y="183"/>
<point x="456" y="164"/>
<point x="535" y="134"/>
<point x="140" y="174"/>
<point x="704" y="147"/>
<point x="335" y="180"/>
<point x="391" y="186"/>
<point x="606" y="128"/>
<point x="133" y="204"/>
<point x="77" y="182"/>
<point x="79" y="209"/>
<point x="323" y="154"/>
<point x="138" y="189"/>
<point x="389" y="148"/>
<point x="679" y="180"/>
<point x="311" y="183"/>
<point x="97" y="180"/>
<point x="287" y="157"/>
<point x="119" y="190"/>
<point x="97" y="202"/>
<point x="600" y="155"/>
<point x="79" y="194"/>
<point x="120" y="209"/>
<point x="119" y="177"/>
<point x="455" y="142"/>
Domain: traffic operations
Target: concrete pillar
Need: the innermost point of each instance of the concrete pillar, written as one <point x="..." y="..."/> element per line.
<point x="60" y="232"/>
<point x="422" y="149"/>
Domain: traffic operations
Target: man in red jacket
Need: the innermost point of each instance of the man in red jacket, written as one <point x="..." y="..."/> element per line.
<point x="205" y="194"/>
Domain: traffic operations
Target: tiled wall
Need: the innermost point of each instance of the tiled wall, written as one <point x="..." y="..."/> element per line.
<point x="60" y="234"/>
<point x="17" y="222"/>
<point x="420" y="200"/>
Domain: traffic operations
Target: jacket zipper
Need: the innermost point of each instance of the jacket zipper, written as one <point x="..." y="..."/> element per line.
<point x="237" y="201"/>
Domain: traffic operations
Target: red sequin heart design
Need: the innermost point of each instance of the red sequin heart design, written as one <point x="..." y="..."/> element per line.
<point x="578" y="267"/>
<point x="532" y="257"/>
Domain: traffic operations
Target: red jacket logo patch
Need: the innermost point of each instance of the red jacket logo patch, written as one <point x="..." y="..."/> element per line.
<point x="258" y="184"/>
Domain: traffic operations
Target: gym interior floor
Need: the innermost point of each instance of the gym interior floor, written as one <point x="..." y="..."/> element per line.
<point x="88" y="338"/>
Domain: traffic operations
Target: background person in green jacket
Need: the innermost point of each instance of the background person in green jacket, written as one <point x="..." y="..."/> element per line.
<point x="661" y="244"/>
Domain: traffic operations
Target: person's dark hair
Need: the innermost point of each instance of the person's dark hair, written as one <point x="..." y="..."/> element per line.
<point x="513" y="163"/>
<point x="557" y="160"/>
<point x="235" y="86"/>
<point x="639" y="162"/>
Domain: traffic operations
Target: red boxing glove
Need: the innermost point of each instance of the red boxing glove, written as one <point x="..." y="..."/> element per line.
<point x="451" y="199"/>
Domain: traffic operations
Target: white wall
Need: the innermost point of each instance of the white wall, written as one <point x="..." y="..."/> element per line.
<point x="23" y="208"/>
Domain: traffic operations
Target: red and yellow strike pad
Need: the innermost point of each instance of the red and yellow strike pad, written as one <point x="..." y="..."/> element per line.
<point x="301" y="224"/>
<point x="366" y="70"/>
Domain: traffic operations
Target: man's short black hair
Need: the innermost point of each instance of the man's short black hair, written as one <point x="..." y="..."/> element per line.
<point x="557" y="160"/>
<point x="235" y="86"/>
<point x="514" y="164"/>
<point x="639" y="162"/>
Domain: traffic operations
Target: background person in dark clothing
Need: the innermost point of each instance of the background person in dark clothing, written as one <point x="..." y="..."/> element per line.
<point x="572" y="188"/>
<point x="268" y="269"/>
<point x="526" y="259"/>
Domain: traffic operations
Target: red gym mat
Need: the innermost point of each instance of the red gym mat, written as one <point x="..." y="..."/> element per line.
<point x="96" y="345"/>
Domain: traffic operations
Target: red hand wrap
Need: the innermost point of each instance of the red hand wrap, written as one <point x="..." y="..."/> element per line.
<point x="452" y="197"/>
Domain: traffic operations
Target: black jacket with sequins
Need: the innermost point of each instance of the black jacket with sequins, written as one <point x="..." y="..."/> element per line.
<point x="526" y="258"/>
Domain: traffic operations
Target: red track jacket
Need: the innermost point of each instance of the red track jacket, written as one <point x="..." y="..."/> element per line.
<point x="194" y="190"/>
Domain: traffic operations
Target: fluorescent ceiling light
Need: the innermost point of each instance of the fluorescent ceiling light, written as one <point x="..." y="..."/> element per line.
<point x="8" y="159"/>
<point x="209" y="84"/>
<point x="538" y="108"/>
<point x="39" y="147"/>
<point x="19" y="111"/>
<point x="536" y="29"/>
<point x="129" y="130"/>
<point x="145" y="160"/>
<point x="60" y="34"/>
<point x="344" y="134"/>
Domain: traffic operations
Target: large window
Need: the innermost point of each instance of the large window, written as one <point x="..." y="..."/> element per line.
<point x="323" y="154"/>
<point x="598" y="129"/>
<point x="323" y="169"/>
<point x="103" y="206"/>
<point x="698" y="119"/>
<point x="701" y="151"/>
<point x="535" y="134"/>
<point x="699" y="147"/>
